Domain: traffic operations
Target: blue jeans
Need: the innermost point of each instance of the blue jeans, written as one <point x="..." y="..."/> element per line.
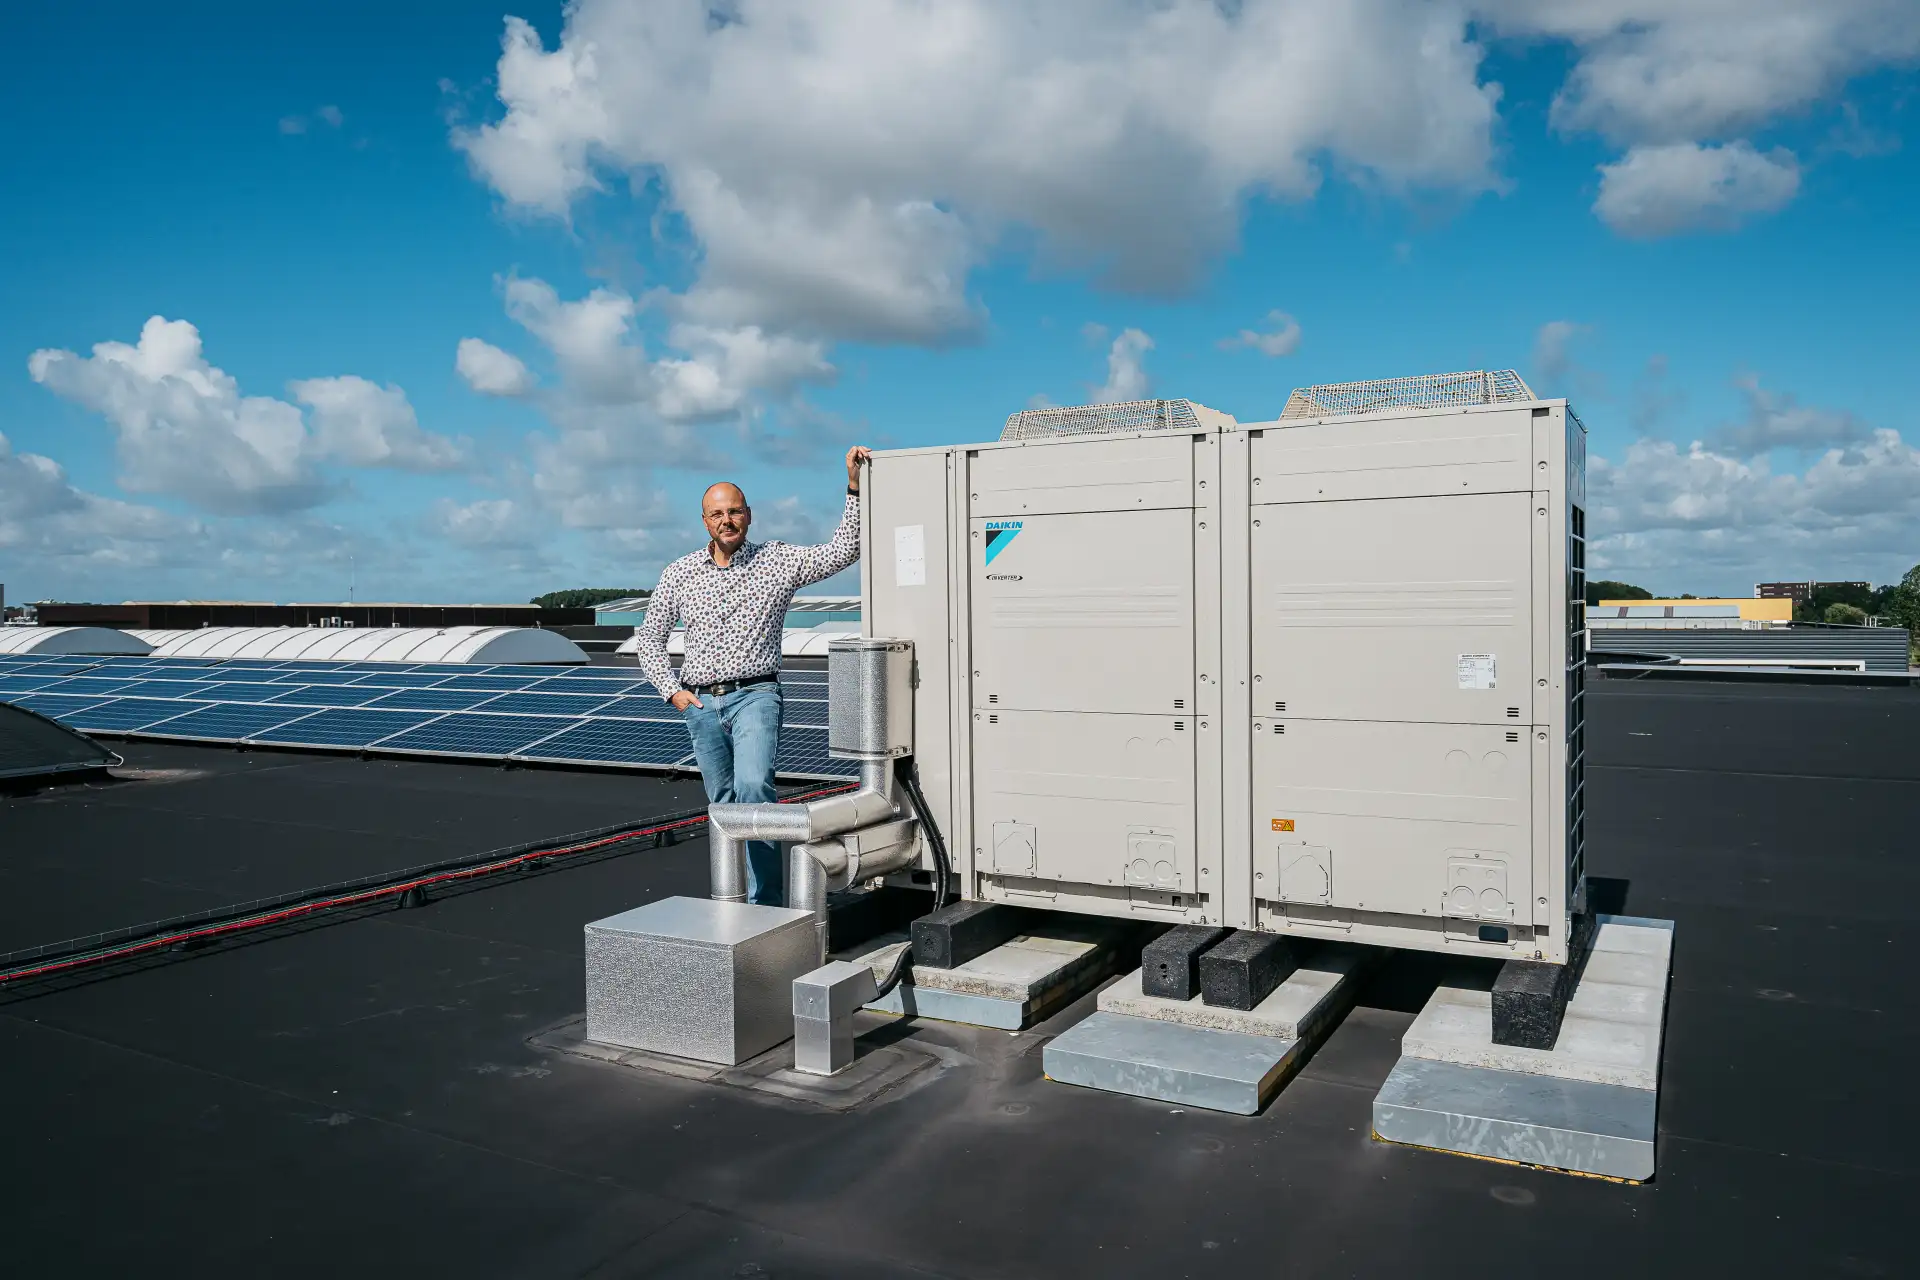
<point x="735" y="738"/>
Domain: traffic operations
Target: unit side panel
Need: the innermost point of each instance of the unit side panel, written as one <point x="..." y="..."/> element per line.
<point x="906" y="580"/>
<point x="1232" y="892"/>
<point x="1089" y="612"/>
<point x="1393" y="609"/>
<point x="1086" y="798"/>
<point x="1479" y="451"/>
<point x="1363" y="821"/>
<point x="1210" y="729"/>
<point x="1130" y="474"/>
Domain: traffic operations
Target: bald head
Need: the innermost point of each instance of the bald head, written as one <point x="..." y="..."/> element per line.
<point x="724" y="510"/>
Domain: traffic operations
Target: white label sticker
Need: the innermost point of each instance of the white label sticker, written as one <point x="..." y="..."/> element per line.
<point x="910" y="555"/>
<point x="1475" y="671"/>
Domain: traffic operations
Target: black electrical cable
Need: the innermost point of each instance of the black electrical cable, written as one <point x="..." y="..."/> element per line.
<point x="942" y="867"/>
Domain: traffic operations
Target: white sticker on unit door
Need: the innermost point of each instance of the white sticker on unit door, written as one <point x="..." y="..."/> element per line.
<point x="910" y="555"/>
<point x="1475" y="671"/>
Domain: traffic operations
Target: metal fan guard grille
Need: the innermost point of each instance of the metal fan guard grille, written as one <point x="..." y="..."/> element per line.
<point x="1427" y="391"/>
<point x="1102" y="419"/>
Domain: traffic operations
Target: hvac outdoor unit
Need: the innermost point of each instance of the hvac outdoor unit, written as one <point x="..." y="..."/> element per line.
<point x="1317" y="675"/>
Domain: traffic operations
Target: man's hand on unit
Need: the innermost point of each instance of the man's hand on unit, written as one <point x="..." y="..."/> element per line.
<point x="855" y="456"/>
<point x="682" y="700"/>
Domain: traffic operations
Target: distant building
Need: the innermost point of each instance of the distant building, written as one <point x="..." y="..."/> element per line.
<point x="181" y="615"/>
<point x="1734" y="613"/>
<point x="1800" y="592"/>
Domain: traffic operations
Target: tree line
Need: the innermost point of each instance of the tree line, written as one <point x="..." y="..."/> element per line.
<point x="1848" y="603"/>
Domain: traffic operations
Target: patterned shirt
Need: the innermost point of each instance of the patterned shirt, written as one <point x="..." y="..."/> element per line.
<point x="733" y="615"/>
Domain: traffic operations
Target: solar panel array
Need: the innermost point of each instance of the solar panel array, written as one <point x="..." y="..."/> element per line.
<point x="562" y="715"/>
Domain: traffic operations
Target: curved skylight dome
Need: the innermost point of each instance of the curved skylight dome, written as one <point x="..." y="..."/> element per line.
<point x="88" y="640"/>
<point x="373" y="644"/>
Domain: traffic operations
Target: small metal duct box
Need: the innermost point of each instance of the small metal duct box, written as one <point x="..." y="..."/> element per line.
<point x="699" y="979"/>
<point x="869" y="698"/>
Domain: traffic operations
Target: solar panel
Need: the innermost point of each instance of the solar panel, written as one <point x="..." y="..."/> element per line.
<point x="124" y="715"/>
<point x="26" y="684"/>
<point x="404" y="680"/>
<point x="101" y="685"/>
<point x="648" y="707"/>
<point x="229" y="722"/>
<point x="432" y="699"/>
<point x="499" y="684"/>
<point x="471" y="734"/>
<point x="390" y="668"/>
<point x="316" y="675"/>
<point x="56" y="706"/>
<point x="344" y="727"/>
<point x="804" y="751"/>
<point x="328" y="695"/>
<point x="547" y="704"/>
<point x="605" y="688"/>
<point x="802" y="715"/>
<point x="525" y="669"/>
<point x="242" y="691"/>
<point x="616" y="742"/>
<point x="170" y="689"/>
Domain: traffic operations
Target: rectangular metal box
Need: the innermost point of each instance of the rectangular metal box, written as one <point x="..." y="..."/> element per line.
<point x="695" y="978"/>
<point x="1317" y="675"/>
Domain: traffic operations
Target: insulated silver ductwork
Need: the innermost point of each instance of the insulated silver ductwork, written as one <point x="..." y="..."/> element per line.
<point x="869" y="698"/>
<point x="845" y="838"/>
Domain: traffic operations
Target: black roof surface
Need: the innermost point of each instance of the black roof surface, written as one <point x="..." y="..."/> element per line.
<point x="361" y="1097"/>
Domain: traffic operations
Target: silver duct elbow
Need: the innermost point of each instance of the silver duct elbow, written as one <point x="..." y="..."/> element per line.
<point x="869" y="718"/>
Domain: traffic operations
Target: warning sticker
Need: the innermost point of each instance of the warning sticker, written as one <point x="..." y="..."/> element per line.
<point x="910" y="555"/>
<point x="1283" y="824"/>
<point x="1475" y="671"/>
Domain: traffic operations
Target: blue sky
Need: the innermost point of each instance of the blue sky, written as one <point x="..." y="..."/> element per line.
<point x="466" y="324"/>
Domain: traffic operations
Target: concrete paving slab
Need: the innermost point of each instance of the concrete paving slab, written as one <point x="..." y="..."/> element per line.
<point x="1010" y="987"/>
<point x="1313" y="994"/>
<point x="1613" y="1028"/>
<point x="1573" y="1125"/>
<point x="1193" y="1066"/>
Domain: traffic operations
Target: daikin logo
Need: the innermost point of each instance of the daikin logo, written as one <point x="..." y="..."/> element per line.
<point x="999" y="534"/>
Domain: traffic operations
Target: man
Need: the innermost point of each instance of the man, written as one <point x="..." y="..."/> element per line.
<point x="733" y="597"/>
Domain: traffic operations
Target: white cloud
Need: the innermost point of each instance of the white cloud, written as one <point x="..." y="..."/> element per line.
<point x="1713" y="515"/>
<point x="1552" y="358"/>
<point x="843" y="167"/>
<point x="1282" y="338"/>
<point x="1662" y="71"/>
<point x="1126" y="368"/>
<point x="329" y="115"/>
<point x="364" y="425"/>
<point x="182" y="427"/>
<point x="1776" y="420"/>
<point x="485" y="523"/>
<point x="1684" y="186"/>
<point x="491" y="371"/>
<point x="71" y="535"/>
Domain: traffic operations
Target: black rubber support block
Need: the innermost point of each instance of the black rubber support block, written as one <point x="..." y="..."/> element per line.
<point x="1242" y="971"/>
<point x="960" y="931"/>
<point x="1170" y="964"/>
<point x="1530" y="996"/>
<point x="856" y="915"/>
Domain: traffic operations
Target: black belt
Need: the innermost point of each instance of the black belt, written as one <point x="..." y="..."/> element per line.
<point x="721" y="688"/>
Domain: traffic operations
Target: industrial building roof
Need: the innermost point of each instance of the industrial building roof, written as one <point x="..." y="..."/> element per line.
<point x="370" y="644"/>
<point x="363" y="1097"/>
<point x="91" y="640"/>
